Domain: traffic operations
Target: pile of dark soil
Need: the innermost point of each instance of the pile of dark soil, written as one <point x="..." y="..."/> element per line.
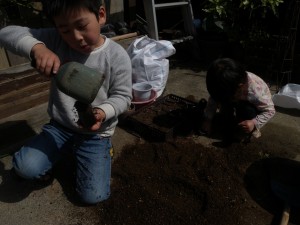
<point x="178" y="181"/>
<point x="182" y="182"/>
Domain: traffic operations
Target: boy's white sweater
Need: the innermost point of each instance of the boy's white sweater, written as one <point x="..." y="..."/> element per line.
<point x="110" y="59"/>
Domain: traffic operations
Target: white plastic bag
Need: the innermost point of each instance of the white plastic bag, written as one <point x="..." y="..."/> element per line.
<point x="149" y="63"/>
<point x="288" y="96"/>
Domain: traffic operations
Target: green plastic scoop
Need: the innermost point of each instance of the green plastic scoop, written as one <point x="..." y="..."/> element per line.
<point x="79" y="81"/>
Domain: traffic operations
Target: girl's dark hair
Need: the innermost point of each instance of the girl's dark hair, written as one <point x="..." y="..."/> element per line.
<point x="223" y="78"/>
<point x="53" y="8"/>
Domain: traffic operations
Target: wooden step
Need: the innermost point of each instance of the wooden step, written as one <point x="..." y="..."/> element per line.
<point x="16" y="81"/>
<point x="23" y="99"/>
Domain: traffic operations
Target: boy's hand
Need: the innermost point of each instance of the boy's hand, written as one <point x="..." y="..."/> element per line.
<point x="99" y="117"/>
<point x="247" y="126"/>
<point x="46" y="62"/>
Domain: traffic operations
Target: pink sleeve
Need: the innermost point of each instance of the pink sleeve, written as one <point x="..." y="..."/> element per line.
<point x="260" y="95"/>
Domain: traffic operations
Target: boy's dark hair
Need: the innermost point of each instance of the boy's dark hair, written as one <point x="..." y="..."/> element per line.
<point x="223" y="78"/>
<point x="53" y="8"/>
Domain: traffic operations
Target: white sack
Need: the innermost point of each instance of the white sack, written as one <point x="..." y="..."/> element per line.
<point x="288" y="96"/>
<point x="149" y="63"/>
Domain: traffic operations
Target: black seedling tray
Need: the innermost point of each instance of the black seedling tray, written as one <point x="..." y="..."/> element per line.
<point x="165" y="118"/>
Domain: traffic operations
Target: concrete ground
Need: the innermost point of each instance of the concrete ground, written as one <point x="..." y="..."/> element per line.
<point x="27" y="203"/>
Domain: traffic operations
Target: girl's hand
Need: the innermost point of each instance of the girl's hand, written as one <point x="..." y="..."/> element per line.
<point x="247" y="126"/>
<point x="45" y="61"/>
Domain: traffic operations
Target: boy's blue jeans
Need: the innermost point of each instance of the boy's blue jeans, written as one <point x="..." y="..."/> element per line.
<point x="91" y="153"/>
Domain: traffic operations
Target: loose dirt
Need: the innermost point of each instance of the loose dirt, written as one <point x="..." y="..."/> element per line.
<point x="183" y="182"/>
<point x="180" y="181"/>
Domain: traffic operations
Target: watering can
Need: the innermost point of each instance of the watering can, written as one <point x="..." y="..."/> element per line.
<point x="285" y="184"/>
<point x="81" y="83"/>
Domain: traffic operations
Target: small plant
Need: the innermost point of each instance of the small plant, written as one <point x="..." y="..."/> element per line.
<point x="242" y="19"/>
<point x="225" y="8"/>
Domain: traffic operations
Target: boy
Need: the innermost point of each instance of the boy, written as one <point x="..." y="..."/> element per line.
<point x="76" y="37"/>
<point x="243" y="98"/>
